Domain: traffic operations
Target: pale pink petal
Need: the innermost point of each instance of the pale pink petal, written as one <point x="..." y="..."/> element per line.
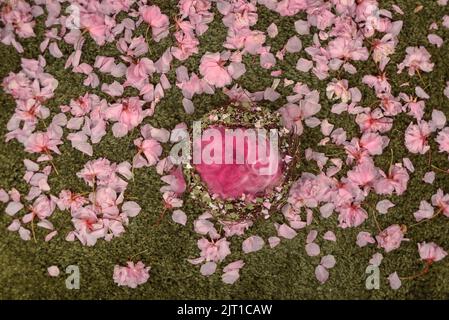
<point x="384" y="205"/>
<point x="272" y="30"/>
<point x="429" y="177"/>
<point x="230" y="277"/>
<point x="321" y="274"/>
<point x="53" y="271"/>
<point x="302" y="27"/>
<point x="328" y="261"/>
<point x="286" y="232"/>
<point x="330" y="236"/>
<point x="376" y="260"/>
<point x="270" y="94"/>
<point x="273" y="241"/>
<point x="114" y="89"/>
<point x="364" y="238"/>
<point x="46" y="224"/>
<point x="25" y="234"/>
<point x="425" y="211"/>
<point x="435" y="40"/>
<point x="304" y="65"/>
<point x="293" y="45"/>
<point x="14" y="226"/>
<point x="421" y="93"/>
<point x="438" y="119"/>
<point x="312" y="249"/>
<point x="75" y="123"/>
<point x="131" y="208"/>
<point x="327" y="210"/>
<point x="397" y="9"/>
<point x="188" y="106"/>
<point x="4" y="197"/>
<point x="13" y="207"/>
<point x="196" y="260"/>
<point x="236" y="69"/>
<point x="431" y="252"/>
<point x="395" y="282"/>
<point x="252" y="244"/>
<point x="70" y="236"/>
<point x="14" y="194"/>
<point x="208" y="268"/>
<point x="30" y="165"/>
<point x="180" y="217"/>
<point x="54" y="50"/>
<point x="408" y="164"/>
<point x="51" y="235"/>
<point x="28" y="218"/>
<point x="311" y="236"/>
<point x="236" y="265"/>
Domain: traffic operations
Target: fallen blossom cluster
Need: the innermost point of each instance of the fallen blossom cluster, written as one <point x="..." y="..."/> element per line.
<point x="132" y="275"/>
<point x="31" y="88"/>
<point x="18" y="19"/>
<point x="340" y="34"/>
<point x="99" y="215"/>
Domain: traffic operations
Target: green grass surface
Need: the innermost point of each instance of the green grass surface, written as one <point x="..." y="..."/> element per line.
<point x="285" y="272"/>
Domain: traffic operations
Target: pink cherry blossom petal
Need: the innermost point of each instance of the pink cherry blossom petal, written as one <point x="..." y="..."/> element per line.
<point x="435" y="40"/>
<point x="252" y="244"/>
<point x="272" y="30"/>
<point x="376" y="259"/>
<point x="321" y="274"/>
<point x="131" y="208"/>
<point x="53" y="271"/>
<point x="180" y="217"/>
<point x="364" y="238"/>
<point x="286" y="232"/>
<point x="25" y="234"/>
<point x="384" y="205"/>
<point x="208" y="268"/>
<point x="13" y="207"/>
<point x="425" y="211"/>
<point x="330" y="236"/>
<point x="4" y="197"/>
<point x="230" y="277"/>
<point x="431" y="252"/>
<point x="14" y="226"/>
<point x="429" y="177"/>
<point x="293" y="45"/>
<point x="50" y="235"/>
<point x="311" y="236"/>
<point x="395" y="282"/>
<point x="236" y="265"/>
<point x="273" y="241"/>
<point x="312" y="249"/>
<point x="328" y="261"/>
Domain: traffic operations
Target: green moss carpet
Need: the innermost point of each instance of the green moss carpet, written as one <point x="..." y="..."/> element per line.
<point x="285" y="272"/>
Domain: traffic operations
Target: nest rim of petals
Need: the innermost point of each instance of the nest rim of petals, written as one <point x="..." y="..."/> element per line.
<point x="237" y="115"/>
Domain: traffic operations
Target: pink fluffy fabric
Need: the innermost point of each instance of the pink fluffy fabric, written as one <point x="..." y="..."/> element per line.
<point x="231" y="181"/>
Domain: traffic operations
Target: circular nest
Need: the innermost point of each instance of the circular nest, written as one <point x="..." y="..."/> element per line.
<point x="246" y="115"/>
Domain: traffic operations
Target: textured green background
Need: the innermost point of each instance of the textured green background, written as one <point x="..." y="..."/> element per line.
<point x="285" y="272"/>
